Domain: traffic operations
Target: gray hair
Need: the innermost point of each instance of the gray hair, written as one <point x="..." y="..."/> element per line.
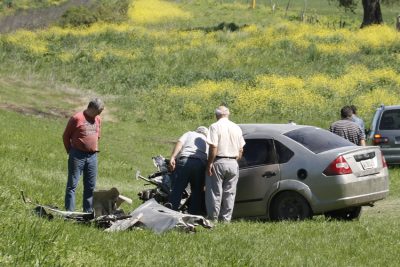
<point x="202" y="130"/>
<point x="222" y="111"/>
<point x="96" y="103"/>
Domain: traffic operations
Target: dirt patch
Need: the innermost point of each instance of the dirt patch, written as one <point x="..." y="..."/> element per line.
<point x="51" y="113"/>
<point x="31" y="96"/>
<point x="37" y="18"/>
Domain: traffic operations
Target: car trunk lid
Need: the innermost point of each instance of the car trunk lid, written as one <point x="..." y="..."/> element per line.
<point x="364" y="160"/>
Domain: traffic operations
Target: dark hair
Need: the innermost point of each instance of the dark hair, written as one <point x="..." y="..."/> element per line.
<point x="346" y="112"/>
<point x="354" y="109"/>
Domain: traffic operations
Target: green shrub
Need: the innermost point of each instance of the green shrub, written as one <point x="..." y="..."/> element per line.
<point x="107" y="11"/>
<point x="78" y="16"/>
<point x="112" y="10"/>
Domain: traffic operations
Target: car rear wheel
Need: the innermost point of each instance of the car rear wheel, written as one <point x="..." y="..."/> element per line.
<point x="290" y="206"/>
<point x="347" y="214"/>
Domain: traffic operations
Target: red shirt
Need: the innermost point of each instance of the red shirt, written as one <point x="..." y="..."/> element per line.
<point x="82" y="133"/>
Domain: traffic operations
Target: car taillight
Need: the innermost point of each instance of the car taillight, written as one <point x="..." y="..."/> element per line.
<point x="384" y="164"/>
<point x="379" y="139"/>
<point x="337" y="167"/>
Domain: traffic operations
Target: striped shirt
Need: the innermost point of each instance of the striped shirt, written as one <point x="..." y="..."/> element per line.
<point x="360" y="123"/>
<point x="348" y="129"/>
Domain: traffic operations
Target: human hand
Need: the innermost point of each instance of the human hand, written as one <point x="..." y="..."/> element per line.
<point x="172" y="163"/>
<point x="209" y="169"/>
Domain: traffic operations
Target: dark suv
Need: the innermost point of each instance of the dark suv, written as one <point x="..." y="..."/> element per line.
<point x="385" y="132"/>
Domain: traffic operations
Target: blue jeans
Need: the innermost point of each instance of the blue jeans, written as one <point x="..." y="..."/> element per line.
<point x="81" y="162"/>
<point x="188" y="170"/>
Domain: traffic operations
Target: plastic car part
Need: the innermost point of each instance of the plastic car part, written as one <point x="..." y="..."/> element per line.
<point x="290" y="205"/>
<point x="338" y="167"/>
<point x="384" y="164"/>
<point x="379" y="139"/>
<point x="347" y="214"/>
<point x="153" y="216"/>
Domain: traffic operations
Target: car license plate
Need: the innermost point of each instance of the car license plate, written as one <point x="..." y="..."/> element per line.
<point x="367" y="164"/>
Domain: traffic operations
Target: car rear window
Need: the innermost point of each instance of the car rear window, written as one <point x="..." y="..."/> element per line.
<point x="318" y="140"/>
<point x="390" y="120"/>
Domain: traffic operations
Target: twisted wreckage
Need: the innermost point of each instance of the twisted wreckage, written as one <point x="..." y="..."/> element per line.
<point x="153" y="214"/>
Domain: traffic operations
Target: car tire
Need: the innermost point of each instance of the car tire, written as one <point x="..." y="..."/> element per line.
<point x="291" y="206"/>
<point x="347" y="214"/>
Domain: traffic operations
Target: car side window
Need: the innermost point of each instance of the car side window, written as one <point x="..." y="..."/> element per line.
<point x="283" y="153"/>
<point x="390" y="120"/>
<point x="258" y="152"/>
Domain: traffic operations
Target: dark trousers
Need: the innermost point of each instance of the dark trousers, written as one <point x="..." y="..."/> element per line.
<point x="188" y="170"/>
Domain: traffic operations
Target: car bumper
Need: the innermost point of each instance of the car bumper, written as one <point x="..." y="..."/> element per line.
<point x="349" y="190"/>
<point x="392" y="155"/>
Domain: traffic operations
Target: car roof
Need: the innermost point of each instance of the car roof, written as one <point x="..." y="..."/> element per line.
<point x="389" y="107"/>
<point x="270" y="128"/>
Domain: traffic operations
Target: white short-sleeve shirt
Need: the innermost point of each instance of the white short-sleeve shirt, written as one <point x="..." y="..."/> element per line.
<point x="227" y="137"/>
<point x="193" y="145"/>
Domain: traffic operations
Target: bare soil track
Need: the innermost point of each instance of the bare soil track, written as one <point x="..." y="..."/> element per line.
<point x="37" y="18"/>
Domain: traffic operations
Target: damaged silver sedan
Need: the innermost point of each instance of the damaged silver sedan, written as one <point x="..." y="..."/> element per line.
<point x="293" y="172"/>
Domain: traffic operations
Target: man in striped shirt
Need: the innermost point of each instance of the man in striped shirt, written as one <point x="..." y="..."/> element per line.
<point x="348" y="129"/>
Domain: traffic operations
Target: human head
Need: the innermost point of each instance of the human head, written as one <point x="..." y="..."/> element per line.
<point x="202" y="130"/>
<point x="95" y="106"/>
<point x="222" y="112"/>
<point x="354" y="109"/>
<point x="346" y="112"/>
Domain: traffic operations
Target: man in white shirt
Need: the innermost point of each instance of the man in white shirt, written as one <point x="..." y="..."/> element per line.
<point x="226" y="143"/>
<point x="188" y="161"/>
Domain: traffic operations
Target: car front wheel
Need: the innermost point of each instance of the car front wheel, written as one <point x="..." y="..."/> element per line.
<point x="347" y="214"/>
<point x="290" y="206"/>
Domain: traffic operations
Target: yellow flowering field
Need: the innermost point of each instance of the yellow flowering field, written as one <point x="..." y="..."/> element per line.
<point x="295" y="97"/>
<point x="153" y="11"/>
<point x="281" y="71"/>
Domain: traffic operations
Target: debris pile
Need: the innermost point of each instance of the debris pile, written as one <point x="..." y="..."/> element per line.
<point x="150" y="215"/>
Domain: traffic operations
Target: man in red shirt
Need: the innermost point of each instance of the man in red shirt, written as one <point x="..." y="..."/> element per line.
<point x="81" y="143"/>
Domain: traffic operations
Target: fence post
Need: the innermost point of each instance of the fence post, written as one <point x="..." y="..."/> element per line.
<point x="253" y="4"/>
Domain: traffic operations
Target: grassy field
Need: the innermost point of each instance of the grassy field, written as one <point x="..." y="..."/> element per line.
<point x="163" y="73"/>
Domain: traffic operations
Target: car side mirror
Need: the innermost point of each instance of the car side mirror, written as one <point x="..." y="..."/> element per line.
<point x="367" y="131"/>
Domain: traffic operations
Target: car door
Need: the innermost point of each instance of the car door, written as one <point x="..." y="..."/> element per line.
<point x="258" y="175"/>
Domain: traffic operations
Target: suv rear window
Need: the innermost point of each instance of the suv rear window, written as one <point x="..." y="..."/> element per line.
<point x="390" y="120"/>
<point x="317" y="140"/>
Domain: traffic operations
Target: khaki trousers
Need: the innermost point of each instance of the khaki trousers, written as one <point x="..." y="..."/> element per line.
<point x="221" y="189"/>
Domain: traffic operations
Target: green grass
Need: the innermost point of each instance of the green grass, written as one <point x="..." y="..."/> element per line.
<point x="39" y="92"/>
<point x="141" y="83"/>
<point x="33" y="160"/>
